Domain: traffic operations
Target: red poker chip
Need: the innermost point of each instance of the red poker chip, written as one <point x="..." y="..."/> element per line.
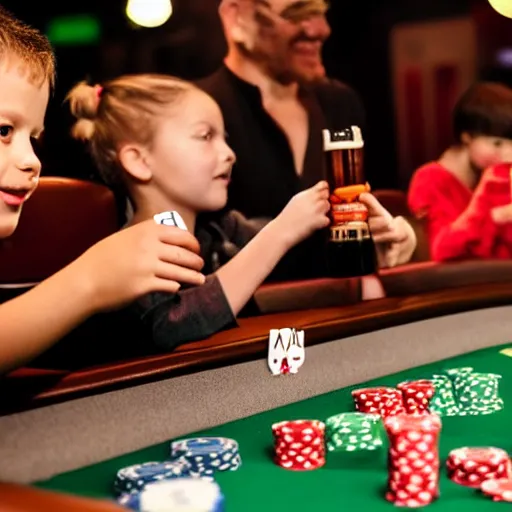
<point x="379" y="400"/>
<point x="299" y="444"/>
<point x="402" y="498"/>
<point x="499" y="490"/>
<point x="471" y="466"/>
<point x="413" y="462"/>
<point x="417" y="394"/>
<point x="413" y="425"/>
<point x="374" y="393"/>
<point x="297" y="427"/>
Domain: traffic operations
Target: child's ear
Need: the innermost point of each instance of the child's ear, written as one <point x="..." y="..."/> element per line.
<point x="134" y="160"/>
<point x="466" y="138"/>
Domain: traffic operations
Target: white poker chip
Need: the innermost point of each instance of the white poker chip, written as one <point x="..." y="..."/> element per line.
<point x="170" y="219"/>
<point x="180" y="495"/>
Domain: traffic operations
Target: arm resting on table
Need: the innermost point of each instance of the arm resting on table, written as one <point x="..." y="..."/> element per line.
<point x="32" y="322"/>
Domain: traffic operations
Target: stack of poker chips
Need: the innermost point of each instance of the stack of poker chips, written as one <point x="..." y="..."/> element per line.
<point x="413" y="459"/>
<point x="299" y="445"/>
<point x="443" y="402"/>
<point x="207" y="455"/>
<point x="455" y="373"/>
<point x="498" y="490"/>
<point x="179" y="495"/>
<point x="135" y="478"/>
<point x="380" y="400"/>
<point x="477" y="393"/>
<point x="353" y="431"/>
<point x="416" y="395"/>
<point x="471" y="466"/>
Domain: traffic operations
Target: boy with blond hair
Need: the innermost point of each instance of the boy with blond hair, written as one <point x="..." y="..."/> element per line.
<point x="138" y="260"/>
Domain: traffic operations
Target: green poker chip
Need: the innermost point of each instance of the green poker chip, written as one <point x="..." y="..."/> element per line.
<point x="478" y="393"/>
<point x="464" y="392"/>
<point x="455" y="373"/>
<point x="353" y="431"/>
<point x="443" y="403"/>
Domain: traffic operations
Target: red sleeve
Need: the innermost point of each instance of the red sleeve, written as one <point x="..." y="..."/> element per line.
<point x="453" y="233"/>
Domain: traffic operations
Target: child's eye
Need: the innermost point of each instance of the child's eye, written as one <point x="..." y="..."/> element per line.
<point x="5" y="130"/>
<point x="207" y="135"/>
<point x="498" y="143"/>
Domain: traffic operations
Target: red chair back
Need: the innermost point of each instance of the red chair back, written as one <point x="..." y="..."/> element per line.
<point x="62" y="219"/>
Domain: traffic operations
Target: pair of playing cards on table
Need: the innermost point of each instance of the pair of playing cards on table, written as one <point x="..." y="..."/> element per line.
<point x="286" y="352"/>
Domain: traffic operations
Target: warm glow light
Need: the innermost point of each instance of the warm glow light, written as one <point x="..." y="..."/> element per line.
<point x="504" y="7"/>
<point x="149" y="13"/>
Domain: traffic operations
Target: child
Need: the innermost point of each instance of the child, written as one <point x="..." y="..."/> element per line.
<point x="162" y="139"/>
<point x="447" y="193"/>
<point x="145" y="258"/>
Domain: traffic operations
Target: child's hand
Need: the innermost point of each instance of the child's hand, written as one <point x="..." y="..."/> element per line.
<point x="138" y="260"/>
<point x="394" y="237"/>
<point x="502" y="214"/>
<point x="495" y="183"/>
<point x="305" y="213"/>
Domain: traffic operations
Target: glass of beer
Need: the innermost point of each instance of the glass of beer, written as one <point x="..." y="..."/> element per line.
<point x="350" y="250"/>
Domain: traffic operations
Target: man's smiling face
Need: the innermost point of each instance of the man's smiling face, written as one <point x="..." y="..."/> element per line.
<point x="288" y="37"/>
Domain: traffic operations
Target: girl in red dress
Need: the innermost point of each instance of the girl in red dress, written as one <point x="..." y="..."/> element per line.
<point x="468" y="212"/>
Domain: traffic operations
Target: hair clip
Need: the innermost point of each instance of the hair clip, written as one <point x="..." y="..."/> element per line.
<point x="99" y="91"/>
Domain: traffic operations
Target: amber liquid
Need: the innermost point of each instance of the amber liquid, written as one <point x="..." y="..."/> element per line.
<point x="345" y="167"/>
<point x="350" y="252"/>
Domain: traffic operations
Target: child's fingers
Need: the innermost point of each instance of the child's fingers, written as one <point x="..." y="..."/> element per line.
<point x="502" y="214"/>
<point x="375" y="209"/>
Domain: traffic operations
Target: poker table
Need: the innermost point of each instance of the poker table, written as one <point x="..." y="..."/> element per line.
<point x="348" y="481"/>
<point x="73" y="445"/>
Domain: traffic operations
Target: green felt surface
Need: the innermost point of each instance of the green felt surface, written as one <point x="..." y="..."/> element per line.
<point x="347" y="482"/>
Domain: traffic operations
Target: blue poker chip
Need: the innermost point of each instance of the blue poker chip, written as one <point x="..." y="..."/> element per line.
<point x="178" y="495"/>
<point x="135" y="478"/>
<point x="207" y="455"/>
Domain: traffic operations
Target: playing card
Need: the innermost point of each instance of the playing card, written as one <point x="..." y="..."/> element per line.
<point x="286" y="352"/>
<point x="170" y="219"/>
<point x="296" y="353"/>
<point x="276" y="351"/>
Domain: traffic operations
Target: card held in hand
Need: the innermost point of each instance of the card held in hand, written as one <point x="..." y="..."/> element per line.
<point x="171" y="219"/>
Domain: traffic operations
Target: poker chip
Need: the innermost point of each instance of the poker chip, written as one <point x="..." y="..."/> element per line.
<point x="353" y="431"/>
<point x="471" y="466"/>
<point x="135" y="478"/>
<point x="207" y="455"/>
<point x="299" y="445"/>
<point x="477" y="393"/>
<point x="443" y="401"/>
<point x="416" y="395"/>
<point x="498" y="490"/>
<point x="380" y="400"/>
<point x="454" y="373"/>
<point x="179" y="495"/>
<point x="413" y="459"/>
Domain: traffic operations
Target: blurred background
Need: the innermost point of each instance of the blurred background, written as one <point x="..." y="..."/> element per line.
<point x="408" y="59"/>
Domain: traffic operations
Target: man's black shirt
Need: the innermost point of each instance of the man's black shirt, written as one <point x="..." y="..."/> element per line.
<point x="264" y="177"/>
